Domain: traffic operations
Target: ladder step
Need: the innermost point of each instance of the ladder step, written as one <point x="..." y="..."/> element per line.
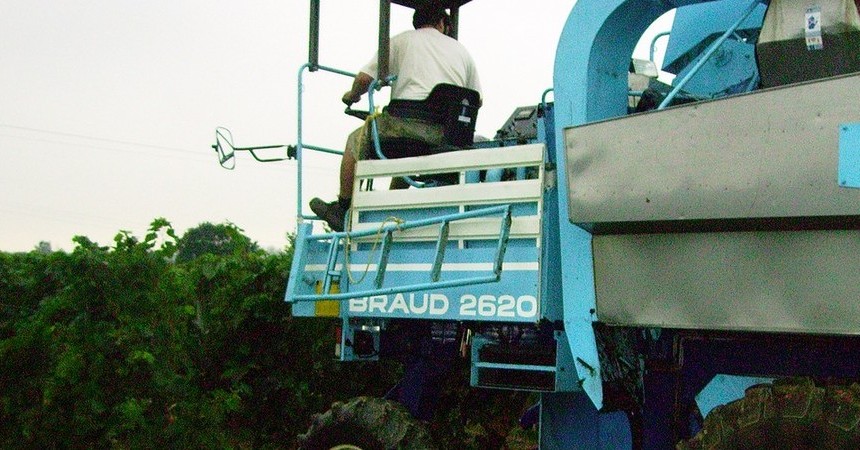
<point x="383" y="257"/>
<point x="331" y="264"/>
<point x="440" y="251"/>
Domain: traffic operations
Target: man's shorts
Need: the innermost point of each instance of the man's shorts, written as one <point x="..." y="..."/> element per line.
<point x="360" y="141"/>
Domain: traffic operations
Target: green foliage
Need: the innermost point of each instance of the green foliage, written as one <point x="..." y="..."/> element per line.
<point x="131" y="346"/>
<point x="210" y="239"/>
<point x="122" y="347"/>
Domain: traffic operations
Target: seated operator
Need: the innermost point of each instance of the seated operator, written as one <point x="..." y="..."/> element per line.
<point x="421" y="59"/>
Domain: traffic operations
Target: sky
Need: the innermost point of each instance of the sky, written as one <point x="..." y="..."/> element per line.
<point x="108" y="107"/>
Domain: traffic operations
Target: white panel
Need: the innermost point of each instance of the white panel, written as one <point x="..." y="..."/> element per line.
<point x="472" y="194"/>
<point x="477" y="159"/>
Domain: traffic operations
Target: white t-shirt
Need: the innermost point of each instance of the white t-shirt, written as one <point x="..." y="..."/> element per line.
<point x="422" y="59"/>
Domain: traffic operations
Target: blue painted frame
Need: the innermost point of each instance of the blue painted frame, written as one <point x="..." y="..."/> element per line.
<point x="590" y="84"/>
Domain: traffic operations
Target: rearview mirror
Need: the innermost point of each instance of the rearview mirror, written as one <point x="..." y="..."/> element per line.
<point x="227" y="151"/>
<point x="224" y="148"/>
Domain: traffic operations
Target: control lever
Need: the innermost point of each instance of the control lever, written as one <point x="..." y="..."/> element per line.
<point x="357" y="113"/>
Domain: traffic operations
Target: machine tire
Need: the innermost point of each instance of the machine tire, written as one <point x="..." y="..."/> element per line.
<point x="791" y="413"/>
<point x="366" y="423"/>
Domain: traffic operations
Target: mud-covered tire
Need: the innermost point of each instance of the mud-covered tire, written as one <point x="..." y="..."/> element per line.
<point x="367" y="423"/>
<point x="791" y="413"/>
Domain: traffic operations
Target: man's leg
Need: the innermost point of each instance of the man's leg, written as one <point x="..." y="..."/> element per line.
<point x="334" y="212"/>
<point x="351" y="151"/>
<point x="347" y="174"/>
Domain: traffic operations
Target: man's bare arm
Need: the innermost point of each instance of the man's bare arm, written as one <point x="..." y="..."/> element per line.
<point x="360" y="85"/>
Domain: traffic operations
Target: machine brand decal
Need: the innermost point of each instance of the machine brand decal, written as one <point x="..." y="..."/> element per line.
<point x="412" y="304"/>
<point x="438" y="305"/>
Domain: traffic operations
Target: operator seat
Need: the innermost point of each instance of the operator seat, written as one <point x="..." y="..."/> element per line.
<point x="454" y="107"/>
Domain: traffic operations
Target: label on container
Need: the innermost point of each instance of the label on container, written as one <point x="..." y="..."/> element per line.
<point x="812" y="28"/>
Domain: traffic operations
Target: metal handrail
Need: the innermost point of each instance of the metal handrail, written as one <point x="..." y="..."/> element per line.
<point x="544" y="96"/>
<point x="504" y="233"/>
<point x="654" y="44"/>
<point x="300" y="145"/>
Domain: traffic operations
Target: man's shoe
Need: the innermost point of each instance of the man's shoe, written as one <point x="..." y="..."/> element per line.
<point x="331" y="212"/>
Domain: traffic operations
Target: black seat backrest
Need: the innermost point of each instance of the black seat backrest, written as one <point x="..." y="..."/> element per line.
<point x="453" y="107"/>
<point x="457" y="110"/>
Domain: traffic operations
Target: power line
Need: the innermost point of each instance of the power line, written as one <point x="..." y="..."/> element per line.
<point x="109" y="149"/>
<point x="94" y="138"/>
<point x="121" y="142"/>
<point x="198" y="156"/>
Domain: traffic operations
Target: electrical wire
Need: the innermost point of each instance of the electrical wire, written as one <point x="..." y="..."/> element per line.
<point x="94" y="138"/>
<point x="126" y="143"/>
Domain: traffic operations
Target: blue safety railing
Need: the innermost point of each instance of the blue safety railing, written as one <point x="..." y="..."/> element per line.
<point x="300" y="145"/>
<point x="388" y="230"/>
<point x="374" y="86"/>
<point x="544" y="95"/>
<point x="653" y="46"/>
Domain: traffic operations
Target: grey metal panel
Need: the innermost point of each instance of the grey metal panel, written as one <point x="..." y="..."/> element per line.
<point x="802" y="281"/>
<point x="768" y="154"/>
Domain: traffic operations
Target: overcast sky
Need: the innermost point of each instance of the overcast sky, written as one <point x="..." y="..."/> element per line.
<point x="108" y="107"/>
